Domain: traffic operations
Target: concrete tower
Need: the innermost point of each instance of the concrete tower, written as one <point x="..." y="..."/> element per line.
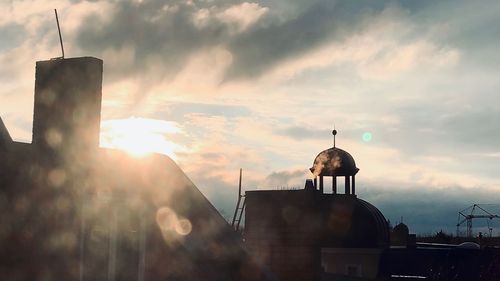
<point x="67" y="111"/>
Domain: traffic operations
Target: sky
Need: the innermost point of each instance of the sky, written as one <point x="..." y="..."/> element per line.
<point x="412" y="87"/>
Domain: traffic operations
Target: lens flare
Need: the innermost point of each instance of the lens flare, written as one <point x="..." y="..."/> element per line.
<point x="183" y="227"/>
<point x="171" y="224"/>
<point x="166" y="219"/>
<point x="367" y="137"/>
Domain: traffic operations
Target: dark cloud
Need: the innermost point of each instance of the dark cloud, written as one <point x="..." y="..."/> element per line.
<point x="261" y="48"/>
<point x="476" y="128"/>
<point x="428" y="210"/>
<point x="440" y="130"/>
<point x="162" y="28"/>
<point x="167" y="30"/>
<point x="476" y="36"/>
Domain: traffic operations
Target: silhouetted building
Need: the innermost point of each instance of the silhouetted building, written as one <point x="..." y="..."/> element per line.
<point x="400" y="234"/>
<point x="312" y="235"/>
<point x="5" y="138"/>
<point x="72" y="211"/>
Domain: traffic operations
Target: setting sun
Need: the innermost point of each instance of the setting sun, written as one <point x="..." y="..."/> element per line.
<point x="139" y="136"/>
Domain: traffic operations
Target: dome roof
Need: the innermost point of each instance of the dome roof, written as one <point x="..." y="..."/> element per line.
<point x="353" y="223"/>
<point x="469" y="246"/>
<point x="334" y="162"/>
<point x="401" y="228"/>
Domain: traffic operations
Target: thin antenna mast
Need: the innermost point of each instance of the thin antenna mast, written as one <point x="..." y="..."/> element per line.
<point x="60" y="36"/>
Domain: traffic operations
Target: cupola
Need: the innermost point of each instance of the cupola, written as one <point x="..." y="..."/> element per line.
<point x="335" y="162"/>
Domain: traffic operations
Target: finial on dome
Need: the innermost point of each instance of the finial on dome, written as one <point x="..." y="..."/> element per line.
<point x="334" y="133"/>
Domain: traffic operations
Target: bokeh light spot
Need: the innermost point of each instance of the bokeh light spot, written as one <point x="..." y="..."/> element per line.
<point x="166" y="219"/>
<point x="171" y="224"/>
<point x="53" y="137"/>
<point x="183" y="227"/>
<point x="57" y="177"/>
<point x="367" y="136"/>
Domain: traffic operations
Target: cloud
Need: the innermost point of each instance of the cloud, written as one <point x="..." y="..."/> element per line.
<point x="476" y="35"/>
<point x="243" y="16"/>
<point x="428" y="210"/>
<point x="257" y="37"/>
<point x="300" y="133"/>
<point x="262" y="48"/>
<point x="386" y="44"/>
<point x="180" y="110"/>
<point x="442" y="128"/>
<point x="12" y="34"/>
<point x="259" y="84"/>
<point x="158" y="32"/>
<point x="286" y="180"/>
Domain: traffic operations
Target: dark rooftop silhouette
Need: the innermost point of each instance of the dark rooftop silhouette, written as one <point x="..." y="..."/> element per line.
<point x="73" y="211"/>
<point x="5" y="138"/>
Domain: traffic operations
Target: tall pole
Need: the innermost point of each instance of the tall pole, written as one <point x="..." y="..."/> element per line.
<point x="60" y="36"/>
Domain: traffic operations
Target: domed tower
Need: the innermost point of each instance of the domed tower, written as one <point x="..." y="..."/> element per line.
<point x="335" y="162"/>
<point x="302" y="234"/>
<point x="400" y="234"/>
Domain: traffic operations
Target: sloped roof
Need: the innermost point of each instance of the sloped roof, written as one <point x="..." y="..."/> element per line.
<point x="187" y="239"/>
<point x="5" y="138"/>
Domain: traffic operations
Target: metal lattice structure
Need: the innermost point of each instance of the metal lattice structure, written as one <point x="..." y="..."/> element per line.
<point x="475" y="211"/>
<point x="240" y="208"/>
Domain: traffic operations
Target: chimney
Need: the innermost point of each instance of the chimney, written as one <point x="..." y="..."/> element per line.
<point x="67" y="112"/>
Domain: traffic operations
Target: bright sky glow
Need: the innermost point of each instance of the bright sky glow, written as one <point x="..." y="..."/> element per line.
<point x="139" y="136"/>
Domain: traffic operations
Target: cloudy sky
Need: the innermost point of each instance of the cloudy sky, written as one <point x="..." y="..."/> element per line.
<point x="412" y="86"/>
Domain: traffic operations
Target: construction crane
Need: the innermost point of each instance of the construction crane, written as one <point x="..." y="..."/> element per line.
<point x="475" y="212"/>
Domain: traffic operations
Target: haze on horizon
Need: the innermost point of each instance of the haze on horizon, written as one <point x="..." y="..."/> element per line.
<point x="412" y="87"/>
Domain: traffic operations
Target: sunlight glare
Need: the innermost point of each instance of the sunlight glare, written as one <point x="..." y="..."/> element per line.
<point x="139" y="136"/>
